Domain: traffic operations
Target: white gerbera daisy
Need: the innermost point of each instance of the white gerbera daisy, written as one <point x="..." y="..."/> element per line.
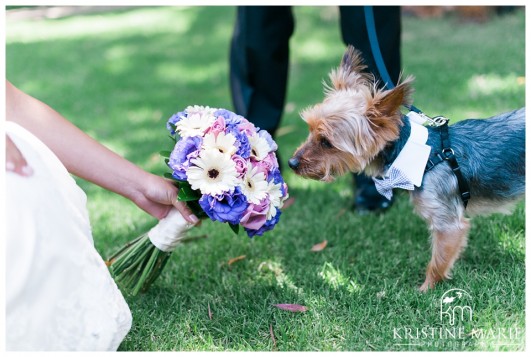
<point x="259" y="147"/>
<point x="224" y="143"/>
<point x="212" y="173"/>
<point x="275" y="198"/>
<point x="254" y="185"/>
<point x="196" y="109"/>
<point x="198" y="120"/>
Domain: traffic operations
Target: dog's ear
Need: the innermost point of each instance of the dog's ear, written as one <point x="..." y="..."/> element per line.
<point x="350" y="72"/>
<point x="352" y="60"/>
<point x="387" y="103"/>
<point x="384" y="112"/>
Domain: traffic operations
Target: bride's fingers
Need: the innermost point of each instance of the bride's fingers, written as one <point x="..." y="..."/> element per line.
<point x="186" y="212"/>
<point x="15" y="161"/>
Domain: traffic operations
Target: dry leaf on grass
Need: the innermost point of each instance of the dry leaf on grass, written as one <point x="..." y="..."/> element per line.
<point x="319" y="246"/>
<point x="209" y="312"/>
<point x="290" y="201"/>
<point x="237" y="259"/>
<point x="291" y="307"/>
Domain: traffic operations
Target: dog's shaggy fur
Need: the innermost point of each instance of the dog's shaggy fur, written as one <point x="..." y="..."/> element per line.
<point x="360" y="128"/>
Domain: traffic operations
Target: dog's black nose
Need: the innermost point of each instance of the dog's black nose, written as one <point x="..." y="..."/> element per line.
<point x="294" y="163"/>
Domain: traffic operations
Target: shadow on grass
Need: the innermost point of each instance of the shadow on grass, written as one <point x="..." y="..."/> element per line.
<point x="358" y="290"/>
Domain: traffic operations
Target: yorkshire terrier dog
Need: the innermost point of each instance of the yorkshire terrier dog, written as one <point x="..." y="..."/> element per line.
<point x="360" y="128"/>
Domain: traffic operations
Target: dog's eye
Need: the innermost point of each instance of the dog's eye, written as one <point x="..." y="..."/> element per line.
<point x="325" y="143"/>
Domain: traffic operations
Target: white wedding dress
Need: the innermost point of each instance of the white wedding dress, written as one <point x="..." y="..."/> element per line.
<point x="59" y="293"/>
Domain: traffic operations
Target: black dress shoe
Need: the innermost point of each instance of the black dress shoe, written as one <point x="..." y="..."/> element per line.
<point x="367" y="198"/>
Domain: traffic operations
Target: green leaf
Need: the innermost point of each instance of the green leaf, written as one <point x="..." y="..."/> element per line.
<point x="165" y="153"/>
<point x="182" y="182"/>
<point x="186" y="193"/>
<point x="184" y="185"/>
<point x="235" y="228"/>
<point x="168" y="175"/>
<point x="196" y="209"/>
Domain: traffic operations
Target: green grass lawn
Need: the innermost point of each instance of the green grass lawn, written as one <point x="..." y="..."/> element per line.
<point x="120" y="75"/>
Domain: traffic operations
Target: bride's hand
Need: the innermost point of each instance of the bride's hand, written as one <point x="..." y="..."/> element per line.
<point x="15" y="161"/>
<point x="157" y="196"/>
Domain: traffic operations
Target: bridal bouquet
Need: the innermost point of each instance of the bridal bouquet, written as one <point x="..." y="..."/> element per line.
<point x="226" y="169"/>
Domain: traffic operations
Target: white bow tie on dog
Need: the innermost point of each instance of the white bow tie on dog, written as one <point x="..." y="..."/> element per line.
<point x="408" y="169"/>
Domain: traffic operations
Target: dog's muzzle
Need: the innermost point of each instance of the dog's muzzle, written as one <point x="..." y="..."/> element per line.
<point x="294" y="163"/>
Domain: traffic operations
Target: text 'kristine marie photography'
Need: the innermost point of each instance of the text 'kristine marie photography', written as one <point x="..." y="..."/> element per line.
<point x="456" y="330"/>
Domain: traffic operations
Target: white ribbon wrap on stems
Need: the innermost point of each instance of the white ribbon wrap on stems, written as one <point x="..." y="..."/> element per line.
<point x="169" y="231"/>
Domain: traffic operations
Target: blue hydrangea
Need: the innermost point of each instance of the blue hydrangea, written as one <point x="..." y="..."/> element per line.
<point x="174" y="119"/>
<point x="231" y="118"/>
<point x="186" y="149"/>
<point x="264" y="134"/>
<point x="228" y="207"/>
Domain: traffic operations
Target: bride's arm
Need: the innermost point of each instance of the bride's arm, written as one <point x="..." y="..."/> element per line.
<point x="85" y="157"/>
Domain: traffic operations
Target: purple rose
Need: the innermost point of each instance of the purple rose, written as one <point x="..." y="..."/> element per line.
<point x="255" y="215"/>
<point x="217" y="127"/>
<point x="267" y="165"/>
<point x="186" y="149"/>
<point x="232" y="120"/>
<point x="271" y="161"/>
<point x="174" y="119"/>
<point x="247" y="127"/>
<point x="241" y="165"/>
<point x="268" y="225"/>
<point x="261" y="166"/>
<point x="228" y="207"/>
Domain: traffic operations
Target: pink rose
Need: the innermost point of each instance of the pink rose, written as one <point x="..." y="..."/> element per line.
<point x="217" y="127"/>
<point x="247" y="127"/>
<point x="266" y="165"/>
<point x="261" y="166"/>
<point x="241" y="165"/>
<point x="271" y="161"/>
<point x="255" y="216"/>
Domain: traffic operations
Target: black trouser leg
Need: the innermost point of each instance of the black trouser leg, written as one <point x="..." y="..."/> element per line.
<point x="259" y="60"/>
<point x="388" y="29"/>
<point x="354" y="31"/>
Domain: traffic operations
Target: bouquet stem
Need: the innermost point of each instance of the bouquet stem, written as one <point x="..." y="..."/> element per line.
<point x="139" y="263"/>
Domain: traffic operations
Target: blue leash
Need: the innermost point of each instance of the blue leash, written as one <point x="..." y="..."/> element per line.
<point x="377" y="54"/>
<point x="446" y="154"/>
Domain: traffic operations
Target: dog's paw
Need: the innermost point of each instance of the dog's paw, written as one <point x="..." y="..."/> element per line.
<point x="426" y="286"/>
